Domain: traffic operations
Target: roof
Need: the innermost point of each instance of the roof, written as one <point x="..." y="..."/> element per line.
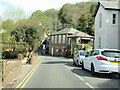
<point x="81" y="34"/>
<point x="73" y="32"/>
<point x="108" y="5"/>
<point x="66" y="31"/>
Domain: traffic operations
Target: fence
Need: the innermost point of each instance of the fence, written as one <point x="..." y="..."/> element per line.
<point x="10" y="70"/>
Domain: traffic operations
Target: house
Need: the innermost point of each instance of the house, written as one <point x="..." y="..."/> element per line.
<point x="107" y="25"/>
<point x="61" y="40"/>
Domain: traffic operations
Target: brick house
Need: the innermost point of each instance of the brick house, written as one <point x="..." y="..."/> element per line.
<point x="61" y="40"/>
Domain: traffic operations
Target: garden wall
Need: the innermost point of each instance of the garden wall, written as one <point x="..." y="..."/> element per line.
<point x="10" y="70"/>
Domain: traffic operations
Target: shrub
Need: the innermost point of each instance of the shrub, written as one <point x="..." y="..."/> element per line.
<point x="9" y="55"/>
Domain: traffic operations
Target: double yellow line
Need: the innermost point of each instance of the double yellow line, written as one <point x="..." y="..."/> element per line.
<point x="27" y="78"/>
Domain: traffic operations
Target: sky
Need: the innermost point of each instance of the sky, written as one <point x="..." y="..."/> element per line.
<point x="31" y="5"/>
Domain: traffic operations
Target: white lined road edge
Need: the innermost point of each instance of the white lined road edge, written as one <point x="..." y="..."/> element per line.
<point x="82" y="79"/>
<point x="89" y="85"/>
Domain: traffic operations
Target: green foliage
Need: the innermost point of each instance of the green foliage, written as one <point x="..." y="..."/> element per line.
<point x="89" y="46"/>
<point x="28" y="34"/>
<point x="55" y="22"/>
<point x="0" y="70"/>
<point x="79" y="16"/>
<point x="8" y="26"/>
<point x="73" y="47"/>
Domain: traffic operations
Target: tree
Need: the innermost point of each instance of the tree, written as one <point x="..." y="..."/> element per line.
<point x="63" y="14"/>
<point x="82" y="23"/>
<point x="14" y="14"/>
<point x="8" y="26"/>
<point x="29" y="33"/>
<point x="78" y="16"/>
<point x="55" y="22"/>
<point x="42" y="19"/>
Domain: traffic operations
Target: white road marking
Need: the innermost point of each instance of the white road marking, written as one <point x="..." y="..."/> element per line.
<point x="81" y="78"/>
<point x="84" y="81"/>
<point x="89" y="85"/>
<point x="66" y="66"/>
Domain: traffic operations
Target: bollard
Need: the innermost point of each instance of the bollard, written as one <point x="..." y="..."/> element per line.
<point x="31" y="59"/>
<point x="3" y="68"/>
<point x="20" y="56"/>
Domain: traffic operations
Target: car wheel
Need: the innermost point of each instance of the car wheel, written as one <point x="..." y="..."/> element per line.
<point x="77" y="63"/>
<point x="83" y="66"/>
<point x="92" y="70"/>
<point x="116" y="75"/>
<point x="73" y="62"/>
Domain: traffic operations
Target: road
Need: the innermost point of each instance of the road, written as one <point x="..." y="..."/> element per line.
<point x="58" y="72"/>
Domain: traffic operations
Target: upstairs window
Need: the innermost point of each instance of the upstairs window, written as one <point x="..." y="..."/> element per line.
<point x="114" y="19"/>
<point x="99" y="42"/>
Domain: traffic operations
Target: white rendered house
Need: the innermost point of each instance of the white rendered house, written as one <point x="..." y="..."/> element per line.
<point x="107" y="25"/>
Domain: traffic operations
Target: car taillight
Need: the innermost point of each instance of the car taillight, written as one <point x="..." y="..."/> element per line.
<point x="101" y="58"/>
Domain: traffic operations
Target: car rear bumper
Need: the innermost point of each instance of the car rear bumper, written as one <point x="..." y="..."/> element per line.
<point x="108" y="69"/>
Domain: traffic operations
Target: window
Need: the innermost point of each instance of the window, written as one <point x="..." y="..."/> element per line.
<point x="99" y="42"/>
<point x="100" y="23"/>
<point x="114" y="19"/>
<point x="63" y="39"/>
<point x="52" y="39"/>
<point x="90" y="53"/>
<point x="55" y="39"/>
<point x="59" y="39"/>
<point x="114" y="54"/>
<point x="96" y="52"/>
<point x="83" y="53"/>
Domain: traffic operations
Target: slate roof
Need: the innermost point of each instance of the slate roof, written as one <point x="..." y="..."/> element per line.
<point x="108" y="5"/>
<point x="80" y="34"/>
<point x="66" y="31"/>
<point x="72" y="31"/>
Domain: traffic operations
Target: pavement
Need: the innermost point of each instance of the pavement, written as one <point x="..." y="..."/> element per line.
<point x="26" y="68"/>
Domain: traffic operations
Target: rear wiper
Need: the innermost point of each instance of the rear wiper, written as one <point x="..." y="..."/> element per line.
<point x="117" y="57"/>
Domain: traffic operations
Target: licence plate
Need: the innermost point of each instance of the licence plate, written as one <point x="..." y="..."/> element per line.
<point x="115" y="62"/>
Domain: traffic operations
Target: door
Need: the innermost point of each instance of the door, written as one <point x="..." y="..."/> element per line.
<point x="87" y="60"/>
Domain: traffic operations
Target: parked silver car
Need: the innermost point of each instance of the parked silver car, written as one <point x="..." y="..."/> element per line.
<point x="78" y="57"/>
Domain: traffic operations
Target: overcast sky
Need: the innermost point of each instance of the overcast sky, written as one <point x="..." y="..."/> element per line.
<point x="31" y="5"/>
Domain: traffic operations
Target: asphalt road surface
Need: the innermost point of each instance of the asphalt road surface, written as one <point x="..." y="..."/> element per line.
<point x="59" y="72"/>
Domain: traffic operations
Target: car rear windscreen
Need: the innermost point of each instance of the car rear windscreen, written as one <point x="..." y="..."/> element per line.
<point x="114" y="54"/>
<point x="83" y="53"/>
